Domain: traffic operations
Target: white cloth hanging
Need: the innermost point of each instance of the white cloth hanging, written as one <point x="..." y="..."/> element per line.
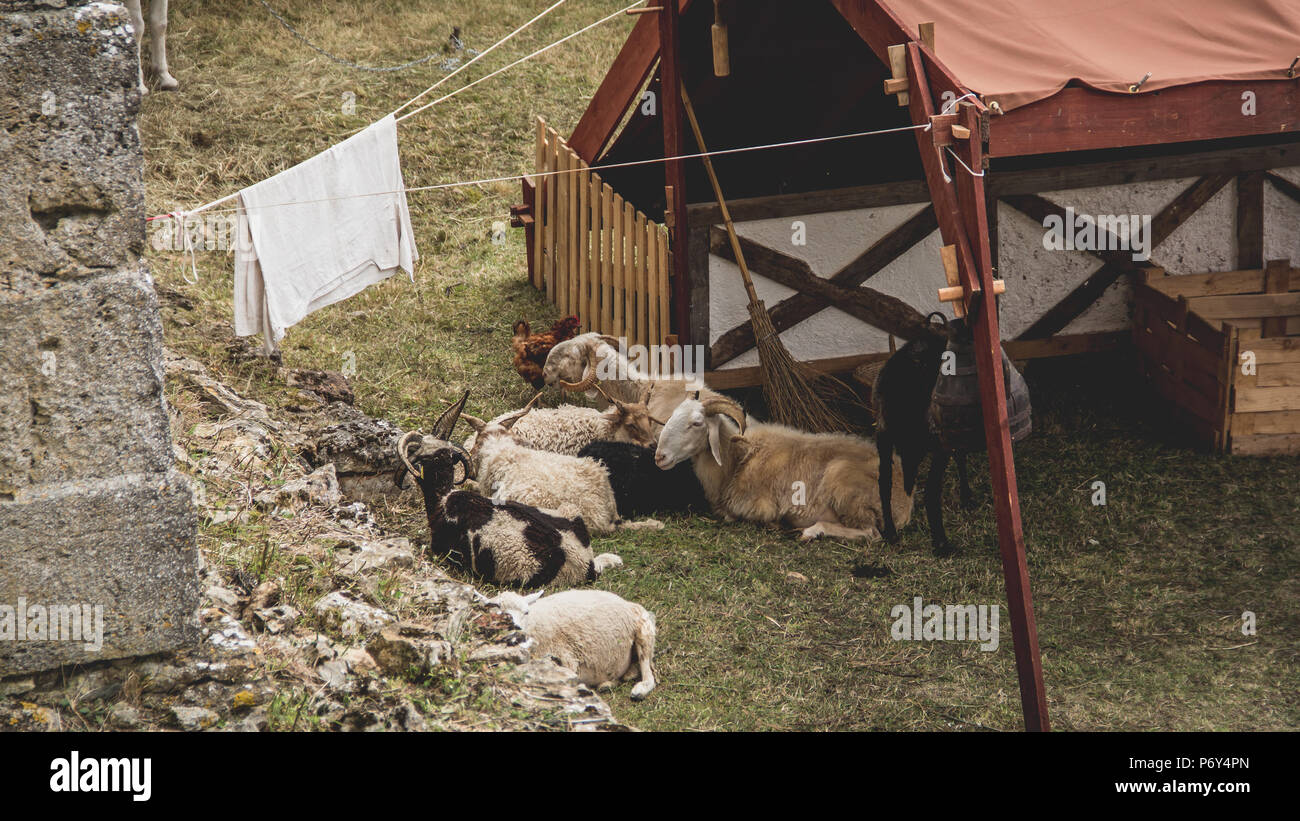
<point x="320" y="232"/>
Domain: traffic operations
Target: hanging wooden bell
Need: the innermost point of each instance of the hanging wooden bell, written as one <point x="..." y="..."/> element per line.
<point x="956" y="416"/>
<point x="721" y="47"/>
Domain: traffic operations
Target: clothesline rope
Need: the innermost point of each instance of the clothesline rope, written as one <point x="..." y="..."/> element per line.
<point x="444" y="98"/>
<point x="541" y="50"/>
<point x="597" y="168"/>
<point x="478" y="57"/>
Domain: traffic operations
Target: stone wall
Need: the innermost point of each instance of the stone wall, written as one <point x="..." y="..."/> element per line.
<point x="92" y="511"/>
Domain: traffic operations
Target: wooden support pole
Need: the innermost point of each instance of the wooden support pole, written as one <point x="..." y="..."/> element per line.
<point x="961" y="210"/>
<point x="670" y="108"/>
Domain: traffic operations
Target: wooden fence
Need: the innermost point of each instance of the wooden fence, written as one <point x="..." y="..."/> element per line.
<point x="1224" y="348"/>
<point x="595" y="255"/>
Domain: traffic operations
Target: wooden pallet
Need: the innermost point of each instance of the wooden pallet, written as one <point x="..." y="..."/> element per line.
<point x="1224" y="350"/>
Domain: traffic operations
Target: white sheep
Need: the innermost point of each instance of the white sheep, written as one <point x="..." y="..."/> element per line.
<point x="570" y="486"/>
<point x="569" y="428"/>
<point x="603" y="638"/>
<point x="826" y="484"/>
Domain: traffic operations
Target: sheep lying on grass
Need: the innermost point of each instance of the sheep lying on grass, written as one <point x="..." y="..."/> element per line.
<point x="824" y="483"/>
<point x="569" y="428"/>
<point x="640" y="487"/>
<point x="508" y="543"/>
<point x="601" y="637"/>
<point x="567" y="485"/>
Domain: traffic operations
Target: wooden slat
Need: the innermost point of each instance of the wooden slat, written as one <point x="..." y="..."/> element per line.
<point x="665" y="270"/>
<point x="582" y="299"/>
<point x="1266" y="422"/>
<point x="629" y="271"/>
<point x="539" y="201"/>
<point x="607" y="259"/>
<point x="1277" y="280"/>
<point x="593" y="298"/>
<point x="552" y="212"/>
<point x="653" y="335"/>
<point x="619" y="244"/>
<point x="639" y="244"/>
<point x="1251" y="400"/>
<point x="1272" y="350"/>
<point x="1222" y="283"/>
<point x="1281" y="375"/>
<point x="1266" y="445"/>
<point x="1243" y="306"/>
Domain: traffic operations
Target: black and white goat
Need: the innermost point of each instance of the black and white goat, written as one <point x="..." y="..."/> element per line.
<point x="504" y="542"/>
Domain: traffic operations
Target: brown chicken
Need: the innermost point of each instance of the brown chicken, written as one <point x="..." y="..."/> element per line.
<point x="531" y="349"/>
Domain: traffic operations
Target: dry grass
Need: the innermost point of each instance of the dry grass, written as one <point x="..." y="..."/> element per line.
<point x="1138" y="602"/>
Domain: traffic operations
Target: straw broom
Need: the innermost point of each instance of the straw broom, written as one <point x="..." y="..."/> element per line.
<point x="788" y="385"/>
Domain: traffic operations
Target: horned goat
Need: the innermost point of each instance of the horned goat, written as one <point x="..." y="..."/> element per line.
<point x="507" y="542"/>
<point x="581" y="363"/>
<point x="568" y="485"/>
<point x="823" y="483"/>
<point x="600" y="636"/>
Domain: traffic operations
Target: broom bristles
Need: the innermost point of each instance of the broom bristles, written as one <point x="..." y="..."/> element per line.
<point x="789" y="386"/>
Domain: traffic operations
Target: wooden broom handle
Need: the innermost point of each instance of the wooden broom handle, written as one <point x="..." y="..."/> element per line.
<point x="717" y="192"/>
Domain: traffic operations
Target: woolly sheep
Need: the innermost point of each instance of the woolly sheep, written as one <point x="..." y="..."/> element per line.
<point x="823" y="483"/>
<point x="569" y="428"/>
<point x="600" y="636"/>
<point x="507" y="543"/>
<point x="567" y="485"/>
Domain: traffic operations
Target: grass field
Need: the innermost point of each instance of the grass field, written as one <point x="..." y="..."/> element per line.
<point x="1139" y="602"/>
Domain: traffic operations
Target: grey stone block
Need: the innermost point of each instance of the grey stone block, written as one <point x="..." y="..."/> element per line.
<point x="126" y="545"/>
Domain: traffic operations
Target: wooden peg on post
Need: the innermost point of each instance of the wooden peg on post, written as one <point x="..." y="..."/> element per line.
<point x="948" y="254"/>
<point x="898" y="67"/>
<point x="721" y="46"/>
<point x="926" y="30"/>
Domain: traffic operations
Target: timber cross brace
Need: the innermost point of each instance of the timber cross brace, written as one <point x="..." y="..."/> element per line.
<point x="960" y="208"/>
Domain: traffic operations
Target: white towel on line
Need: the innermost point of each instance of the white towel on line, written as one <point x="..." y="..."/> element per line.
<point x="329" y="243"/>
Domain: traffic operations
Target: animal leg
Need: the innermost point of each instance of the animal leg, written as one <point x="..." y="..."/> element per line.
<point x="967" y="502"/>
<point x="837" y="531"/>
<point x="645" y="654"/>
<point x="158" y="44"/>
<point x="605" y="561"/>
<point x="137" y="23"/>
<point x="934" y="502"/>
<point x="885" y="446"/>
<point x="643" y="524"/>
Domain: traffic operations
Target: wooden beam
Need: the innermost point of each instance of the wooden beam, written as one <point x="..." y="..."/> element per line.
<point x="879" y="310"/>
<point x="812" y="202"/>
<point x="795" y="309"/>
<point x="618" y="90"/>
<point x="1083" y="119"/>
<point x="1284" y="185"/>
<point x="1117" y="263"/>
<point x="880" y="28"/>
<point x="1250" y="220"/>
<point x="673" y="120"/>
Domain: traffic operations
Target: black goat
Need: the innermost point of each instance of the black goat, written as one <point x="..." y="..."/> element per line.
<point x="900" y="399"/>
<point x="640" y="487"/>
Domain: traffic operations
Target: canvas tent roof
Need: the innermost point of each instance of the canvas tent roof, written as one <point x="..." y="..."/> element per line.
<point x="1021" y="51"/>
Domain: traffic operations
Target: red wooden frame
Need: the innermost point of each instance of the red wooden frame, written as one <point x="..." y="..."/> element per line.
<point x="1082" y="119"/>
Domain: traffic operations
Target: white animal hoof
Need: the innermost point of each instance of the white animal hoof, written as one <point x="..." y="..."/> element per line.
<point x="642" y="689"/>
<point x="166" y="82"/>
<point x="605" y="561"/>
<point x="643" y="524"/>
<point x="812" y="532"/>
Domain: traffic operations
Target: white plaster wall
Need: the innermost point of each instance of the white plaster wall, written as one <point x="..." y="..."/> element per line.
<point x="1037" y="278"/>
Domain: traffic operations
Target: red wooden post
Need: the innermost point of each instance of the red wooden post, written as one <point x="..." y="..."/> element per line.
<point x="670" y="113"/>
<point x="963" y="222"/>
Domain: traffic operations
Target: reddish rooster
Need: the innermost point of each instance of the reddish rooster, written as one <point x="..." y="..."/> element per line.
<point x="531" y="349"/>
